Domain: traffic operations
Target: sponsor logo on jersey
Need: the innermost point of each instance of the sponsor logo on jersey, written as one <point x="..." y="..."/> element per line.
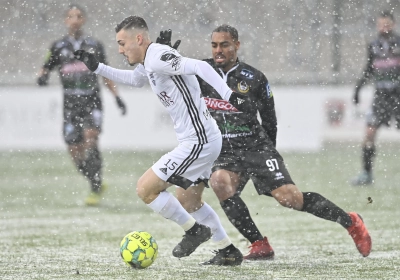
<point x="219" y="105"/>
<point x="220" y="164"/>
<point x="384" y="63"/>
<point x="243" y="87"/>
<point x="167" y="57"/>
<point x="164" y="170"/>
<point x="236" y="135"/>
<point x="172" y="59"/>
<point x="231" y="127"/>
<point x="247" y="73"/>
<point x="165" y="99"/>
<point x="269" y="91"/>
<point x="74" y="67"/>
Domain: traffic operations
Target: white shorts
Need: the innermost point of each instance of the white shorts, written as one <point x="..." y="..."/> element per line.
<point x="188" y="163"/>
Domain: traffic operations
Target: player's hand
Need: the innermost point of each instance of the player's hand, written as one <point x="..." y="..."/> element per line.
<point x="88" y="58"/>
<point x="42" y="80"/>
<point x="121" y="105"/>
<point x="165" y="39"/>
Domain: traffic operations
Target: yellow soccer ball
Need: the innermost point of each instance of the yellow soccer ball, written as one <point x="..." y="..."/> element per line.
<point x="138" y="249"/>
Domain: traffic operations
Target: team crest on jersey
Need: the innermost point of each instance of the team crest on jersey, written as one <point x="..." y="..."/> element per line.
<point x="247" y="74"/>
<point x="243" y="87"/>
<point x="269" y="91"/>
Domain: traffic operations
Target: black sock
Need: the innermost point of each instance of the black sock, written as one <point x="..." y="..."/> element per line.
<point x="368" y="157"/>
<point x="80" y="166"/>
<point x="239" y="215"/>
<point x="319" y="206"/>
<point x="92" y="168"/>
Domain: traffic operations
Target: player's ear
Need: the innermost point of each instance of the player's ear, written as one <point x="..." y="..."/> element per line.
<point x="237" y="45"/>
<point x="139" y="38"/>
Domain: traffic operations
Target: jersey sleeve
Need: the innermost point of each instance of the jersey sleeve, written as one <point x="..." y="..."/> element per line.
<point x="52" y="58"/>
<point x="170" y="62"/>
<point x="368" y="69"/>
<point x="135" y="78"/>
<point x="267" y="109"/>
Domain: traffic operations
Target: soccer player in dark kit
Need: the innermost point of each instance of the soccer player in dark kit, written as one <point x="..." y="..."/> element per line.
<point x="248" y="151"/>
<point x="82" y="104"/>
<point x="383" y="66"/>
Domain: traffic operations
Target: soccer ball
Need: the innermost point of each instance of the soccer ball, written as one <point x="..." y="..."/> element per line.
<point x="138" y="249"/>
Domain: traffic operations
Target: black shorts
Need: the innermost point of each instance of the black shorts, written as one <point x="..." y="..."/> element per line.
<point x="385" y="107"/>
<point x="80" y="113"/>
<point x="265" y="167"/>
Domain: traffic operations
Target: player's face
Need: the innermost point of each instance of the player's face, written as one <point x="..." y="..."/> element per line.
<point x="74" y="20"/>
<point x="129" y="42"/>
<point x="385" y="25"/>
<point x="224" y="50"/>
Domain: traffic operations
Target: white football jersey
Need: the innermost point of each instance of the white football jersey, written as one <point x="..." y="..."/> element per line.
<point x="179" y="93"/>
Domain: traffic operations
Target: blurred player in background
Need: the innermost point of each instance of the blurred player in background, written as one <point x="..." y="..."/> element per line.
<point x="383" y="66"/>
<point x="248" y="151"/>
<point x="172" y="78"/>
<point x="82" y="103"/>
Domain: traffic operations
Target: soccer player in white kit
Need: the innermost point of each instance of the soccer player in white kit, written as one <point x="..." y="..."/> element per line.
<point x="172" y="78"/>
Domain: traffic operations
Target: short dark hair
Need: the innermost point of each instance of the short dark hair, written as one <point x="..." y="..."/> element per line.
<point x="132" y="22"/>
<point x="75" y="6"/>
<point x="227" y="28"/>
<point x="387" y="14"/>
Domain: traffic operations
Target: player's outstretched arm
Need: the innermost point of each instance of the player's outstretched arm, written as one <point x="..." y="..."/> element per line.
<point x="135" y="78"/>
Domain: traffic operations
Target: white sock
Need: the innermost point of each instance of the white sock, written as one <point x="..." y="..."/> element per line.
<point x="169" y="207"/>
<point x="207" y="216"/>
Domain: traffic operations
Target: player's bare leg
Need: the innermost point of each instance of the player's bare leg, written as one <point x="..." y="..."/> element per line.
<point x="152" y="190"/>
<point x="191" y="200"/>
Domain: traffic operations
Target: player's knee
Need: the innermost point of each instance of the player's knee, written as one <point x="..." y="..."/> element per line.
<point x="222" y="185"/>
<point x="289" y="196"/>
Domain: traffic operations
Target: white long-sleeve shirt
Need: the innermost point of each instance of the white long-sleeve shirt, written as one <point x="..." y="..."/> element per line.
<point x="172" y="79"/>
